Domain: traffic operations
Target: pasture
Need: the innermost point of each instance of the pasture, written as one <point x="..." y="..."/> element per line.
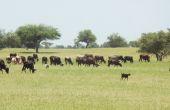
<point x="86" y="88"/>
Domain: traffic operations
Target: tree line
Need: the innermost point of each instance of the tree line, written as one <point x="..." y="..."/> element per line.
<point x="36" y="36"/>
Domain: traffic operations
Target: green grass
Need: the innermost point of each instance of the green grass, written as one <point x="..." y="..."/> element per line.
<point x="86" y="88"/>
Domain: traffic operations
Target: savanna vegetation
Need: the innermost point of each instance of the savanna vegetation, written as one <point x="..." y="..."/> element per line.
<point x="86" y="88"/>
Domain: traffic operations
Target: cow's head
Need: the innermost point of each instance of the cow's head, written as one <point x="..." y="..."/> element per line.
<point x="61" y="64"/>
<point x="33" y="70"/>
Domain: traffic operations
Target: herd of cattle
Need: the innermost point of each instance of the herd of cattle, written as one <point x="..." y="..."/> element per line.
<point x="86" y="60"/>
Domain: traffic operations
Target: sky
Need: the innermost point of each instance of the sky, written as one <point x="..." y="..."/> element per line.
<point x="129" y="18"/>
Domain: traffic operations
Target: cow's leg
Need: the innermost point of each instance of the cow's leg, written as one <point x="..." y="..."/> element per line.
<point x="24" y="69"/>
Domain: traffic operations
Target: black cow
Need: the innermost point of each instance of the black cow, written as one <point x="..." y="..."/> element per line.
<point x="68" y="60"/>
<point x="128" y="58"/>
<point x="99" y="59"/>
<point x="44" y="60"/>
<point x="116" y="57"/>
<point x="114" y="62"/>
<point x="144" y="57"/>
<point x="28" y="65"/>
<point x="55" y="60"/>
<point x="3" y="66"/>
<point x="125" y="76"/>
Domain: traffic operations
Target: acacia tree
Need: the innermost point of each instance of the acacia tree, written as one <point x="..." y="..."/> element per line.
<point x="32" y="35"/>
<point x="155" y="43"/>
<point x="86" y="36"/>
<point x="115" y="40"/>
<point x="2" y="36"/>
<point x="12" y="40"/>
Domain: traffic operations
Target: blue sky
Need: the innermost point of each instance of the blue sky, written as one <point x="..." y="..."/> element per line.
<point x="129" y="18"/>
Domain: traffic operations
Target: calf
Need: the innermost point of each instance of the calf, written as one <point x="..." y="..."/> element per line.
<point x="3" y="66"/>
<point x="125" y="76"/>
<point x="28" y="65"/>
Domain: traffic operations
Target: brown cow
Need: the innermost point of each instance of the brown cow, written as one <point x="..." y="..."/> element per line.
<point x="144" y="57"/>
<point x="90" y="61"/>
<point x="55" y="60"/>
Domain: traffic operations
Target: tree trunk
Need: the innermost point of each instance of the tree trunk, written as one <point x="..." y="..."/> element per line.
<point x="87" y="44"/>
<point x="36" y="47"/>
<point x="159" y="57"/>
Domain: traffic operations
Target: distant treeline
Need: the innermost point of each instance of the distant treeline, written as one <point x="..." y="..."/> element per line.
<point x="38" y="36"/>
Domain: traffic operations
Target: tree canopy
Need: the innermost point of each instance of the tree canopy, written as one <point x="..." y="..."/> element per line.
<point x="115" y="40"/>
<point x="86" y="36"/>
<point x="155" y="43"/>
<point x="32" y="35"/>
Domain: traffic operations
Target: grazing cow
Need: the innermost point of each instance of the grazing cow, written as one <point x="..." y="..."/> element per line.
<point x="44" y="60"/>
<point x="144" y="57"/>
<point x="80" y="60"/>
<point x="28" y="65"/>
<point x="116" y="57"/>
<point x="99" y="59"/>
<point x="128" y="58"/>
<point x="3" y="66"/>
<point x="114" y="62"/>
<point x="125" y="76"/>
<point x="68" y="60"/>
<point x="55" y="60"/>
<point x="90" y="61"/>
<point x="35" y="56"/>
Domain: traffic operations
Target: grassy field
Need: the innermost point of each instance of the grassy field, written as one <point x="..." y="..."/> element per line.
<point x="86" y="88"/>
